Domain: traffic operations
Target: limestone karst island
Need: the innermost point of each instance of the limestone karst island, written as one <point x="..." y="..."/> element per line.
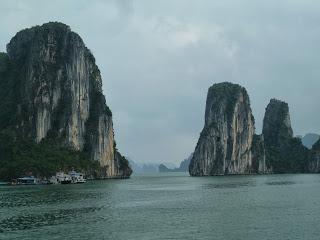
<point x="53" y="114"/>
<point x="228" y="143"/>
<point x="156" y="120"/>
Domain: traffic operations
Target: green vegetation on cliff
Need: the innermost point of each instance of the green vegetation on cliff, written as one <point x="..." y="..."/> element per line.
<point x="9" y="83"/>
<point x="121" y="160"/>
<point x="316" y="146"/>
<point x="291" y="157"/>
<point x="19" y="157"/>
<point x="220" y="90"/>
<point x="284" y="153"/>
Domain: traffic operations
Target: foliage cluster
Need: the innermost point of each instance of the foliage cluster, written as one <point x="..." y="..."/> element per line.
<point x="289" y="157"/>
<point x="20" y="157"/>
<point x="225" y="93"/>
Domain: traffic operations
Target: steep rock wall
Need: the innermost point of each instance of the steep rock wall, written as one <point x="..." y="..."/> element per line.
<point x="276" y="123"/>
<point x="60" y="93"/>
<point x="224" y="146"/>
<point x="314" y="162"/>
<point x="283" y="152"/>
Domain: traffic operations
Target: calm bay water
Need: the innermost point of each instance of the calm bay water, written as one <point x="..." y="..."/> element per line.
<point x="165" y="206"/>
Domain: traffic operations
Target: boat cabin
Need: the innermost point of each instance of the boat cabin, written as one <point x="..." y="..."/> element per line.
<point x="27" y="180"/>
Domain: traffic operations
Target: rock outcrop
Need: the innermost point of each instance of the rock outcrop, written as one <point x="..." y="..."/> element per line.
<point x="314" y="162"/>
<point x="225" y="143"/>
<point x="283" y="152"/>
<point x="163" y="168"/>
<point x="276" y="123"/>
<point x="228" y="145"/>
<point x="183" y="167"/>
<point x="59" y="95"/>
<point x="259" y="155"/>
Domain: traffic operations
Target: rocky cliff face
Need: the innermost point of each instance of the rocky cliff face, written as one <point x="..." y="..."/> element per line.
<point x="224" y="146"/>
<point x="259" y="155"/>
<point x="60" y="94"/>
<point x="276" y="123"/>
<point x="314" y="162"/>
<point x="283" y="152"/>
<point x="184" y="165"/>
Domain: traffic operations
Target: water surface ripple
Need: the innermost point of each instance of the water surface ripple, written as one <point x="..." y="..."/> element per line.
<point x="165" y="206"/>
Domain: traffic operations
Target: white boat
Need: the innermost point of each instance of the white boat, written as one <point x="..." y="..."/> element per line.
<point x="77" y="177"/>
<point x="61" y="178"/>
<point x="27" y="180"/>
<point x="53" y="180"/>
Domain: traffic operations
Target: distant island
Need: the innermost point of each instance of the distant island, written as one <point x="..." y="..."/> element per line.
<point x="53" y="114"/>
<point x="184" y="166"/>
<point x="310" y="139"/>
<point x="228" y="143"/>
<point x="141" y="168"/>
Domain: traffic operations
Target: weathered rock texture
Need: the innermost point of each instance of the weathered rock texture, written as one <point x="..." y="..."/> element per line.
<point x="225" y="143"/>
<point x="283" y="152"/>
<point x="60" y="94"/>
<point x="228" y="145"/>
<point x="259" y="155"/>
<point x="276" y="123"/>
<point x="314" y="163"/>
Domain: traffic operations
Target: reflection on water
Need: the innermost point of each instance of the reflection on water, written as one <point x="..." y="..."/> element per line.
<point x="165" y="207"/>
<point x="281" y="183"/>
<point x="226" y="185"/>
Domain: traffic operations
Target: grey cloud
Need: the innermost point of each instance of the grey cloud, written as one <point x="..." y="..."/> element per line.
<point x="158" y="59"/>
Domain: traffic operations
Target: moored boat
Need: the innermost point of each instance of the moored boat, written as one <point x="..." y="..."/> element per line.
<point x="31" y="180"/>
<point x="63" y="178"/>
<point x="77" y="177"/>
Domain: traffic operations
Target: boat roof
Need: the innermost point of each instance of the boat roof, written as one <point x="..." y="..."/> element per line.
<point x="27" y="178"/>
<point x="75" y="173"/>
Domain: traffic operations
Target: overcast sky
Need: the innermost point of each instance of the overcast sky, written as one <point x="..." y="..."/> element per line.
<point x="158" y="58"/>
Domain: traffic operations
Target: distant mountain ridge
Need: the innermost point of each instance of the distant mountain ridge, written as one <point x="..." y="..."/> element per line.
<point x="310" y="139"/>
<point x="139" y="168"/>
<point x="184" y="166"/>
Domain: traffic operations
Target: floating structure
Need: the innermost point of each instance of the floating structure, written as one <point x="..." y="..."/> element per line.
<point x="27" y="180"/>
<point x="72" y="177"/>
<point x="76" y="177"/>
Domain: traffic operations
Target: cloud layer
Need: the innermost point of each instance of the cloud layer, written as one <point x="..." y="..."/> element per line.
<point x="158" y="59"/>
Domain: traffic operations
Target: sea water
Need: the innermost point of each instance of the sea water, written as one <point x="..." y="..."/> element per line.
<point x="166" y="206"/>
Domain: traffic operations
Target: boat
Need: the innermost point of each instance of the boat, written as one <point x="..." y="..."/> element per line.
<point x="77" y="177"/>
<point x="72" y="177"/>
<point x="53" y="180"/>
<point x="31" y="180"/>
<point x="62" y="178"/>
<point x="45" y="182"/>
